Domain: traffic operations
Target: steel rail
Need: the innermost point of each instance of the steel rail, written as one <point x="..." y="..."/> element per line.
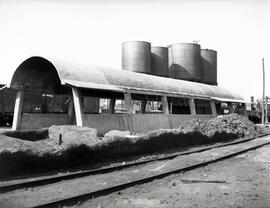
<point x="56" y="178"/>
<point x="70" y="201"/>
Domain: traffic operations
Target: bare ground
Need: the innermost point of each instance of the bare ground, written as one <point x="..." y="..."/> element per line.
<point x="60" y="148"/>
<point x="242" y="181"/>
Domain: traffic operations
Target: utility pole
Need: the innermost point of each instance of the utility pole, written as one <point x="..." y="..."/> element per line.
<point x="266" y="109"/>
<point x="263" y="103"/>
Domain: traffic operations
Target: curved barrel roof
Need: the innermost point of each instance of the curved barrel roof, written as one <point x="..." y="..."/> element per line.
<point x="86" y="76"/>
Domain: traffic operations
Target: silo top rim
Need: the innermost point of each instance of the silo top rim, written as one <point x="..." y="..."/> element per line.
<point x="206" y="49"/>
<point x="184" y="44"/>
<point x="136" y="41"/>
<point x="159" y="47"/>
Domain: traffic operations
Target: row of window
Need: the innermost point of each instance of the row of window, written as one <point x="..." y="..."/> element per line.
<point x="140" y="104"/>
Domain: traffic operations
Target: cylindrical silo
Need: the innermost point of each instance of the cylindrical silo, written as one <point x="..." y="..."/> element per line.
<point x="159" y="61"/>
<point x="209" y="66"/>
<point x="185" y="61"/>
<point x="136" y="56"/>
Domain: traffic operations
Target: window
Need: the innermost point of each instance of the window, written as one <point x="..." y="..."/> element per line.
<point x="153" y="107"/>
<point x="137" y="106"/>
<point x="178" y="105"/>
<point x="91" y="105"/>
<point x="120" y="106"/>
<point x="202" y="106"/>
<point x="104" y="105"/>
<point x="142" y="103"/>
<point x="45" y="103"/>
<point x="222" y="108"/>
<point x="95" y="105"/>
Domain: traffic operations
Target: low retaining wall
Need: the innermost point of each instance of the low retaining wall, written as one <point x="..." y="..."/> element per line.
<point x="38" y="121"/>
<point x="106" y="122"/>
<point x="137" y="122"/>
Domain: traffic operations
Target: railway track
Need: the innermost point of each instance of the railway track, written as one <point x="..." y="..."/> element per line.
<point x="56" y="178"/>
<point x="103" y="191"/>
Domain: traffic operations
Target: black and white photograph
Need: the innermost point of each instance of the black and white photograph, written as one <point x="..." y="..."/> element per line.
<point x="135" y="103"/>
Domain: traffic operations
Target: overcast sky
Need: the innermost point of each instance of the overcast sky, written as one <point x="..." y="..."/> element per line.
<point x="92" y="32"/>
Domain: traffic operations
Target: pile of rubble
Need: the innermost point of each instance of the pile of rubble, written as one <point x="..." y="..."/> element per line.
<point x="193" y="132"/>
<point x="216" y="128"/>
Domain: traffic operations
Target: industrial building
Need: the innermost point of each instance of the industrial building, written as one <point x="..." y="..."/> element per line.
<point x="159" y="87"/>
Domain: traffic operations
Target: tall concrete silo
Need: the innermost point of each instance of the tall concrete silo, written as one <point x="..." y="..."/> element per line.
<point x="185" y="61"/>
<point x="209" y="66"/>
<point x="136" y="56"/>
<point x="159" y="61"/>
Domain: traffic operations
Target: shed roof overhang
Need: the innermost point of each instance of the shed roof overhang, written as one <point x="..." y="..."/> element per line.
<point x="93" y="77"/>
<point x="227" y="100"/>
<point x="3" y="87"/>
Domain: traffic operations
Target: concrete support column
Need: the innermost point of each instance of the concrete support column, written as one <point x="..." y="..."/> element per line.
<point x="143" y="106"/>
<point x="18" y="110"/>
<point x="165" y="106"/>
<point x="170" y="108"/>
<point x="192" y="106"/>
<point x="112" y="104"/>
<point x="78" y="106"/>
<point x="213" y="108"/>
<point x="128" y="103"/>
<point x="244" y="109"/>
<point x="230" y="108"/>
<point x="2" y="102"/>
<point x="71" y="112"/>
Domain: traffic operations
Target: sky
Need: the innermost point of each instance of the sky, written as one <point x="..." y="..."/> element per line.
<point x="92" y="32"/>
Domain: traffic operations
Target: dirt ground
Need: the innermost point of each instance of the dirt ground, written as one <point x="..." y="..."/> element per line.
<point x="61" y="148"/>
<point x="242" y="178"/>
<point x="242" y="181"/>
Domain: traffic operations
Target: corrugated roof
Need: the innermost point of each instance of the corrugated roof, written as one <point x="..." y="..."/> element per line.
<point x="87" y="76"/>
